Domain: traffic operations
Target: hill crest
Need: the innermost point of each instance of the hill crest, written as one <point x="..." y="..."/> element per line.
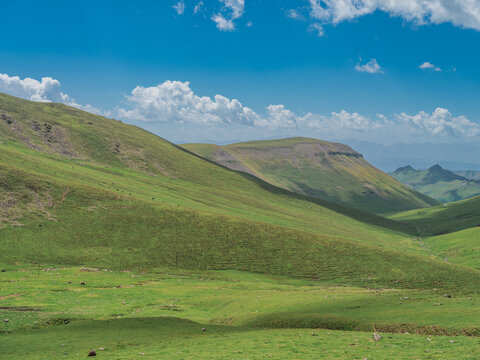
<point x="318" y="168"/>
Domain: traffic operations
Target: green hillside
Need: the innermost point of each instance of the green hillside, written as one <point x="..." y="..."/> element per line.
<point x="440" y="184"/>
<point x="81" y="189"/>
<point x="330" y="171"/>
<point x="450" y="232"/>
<point x="443" y="219"/>
<point x="461" y="247"/>
<point x="116" y="240"/>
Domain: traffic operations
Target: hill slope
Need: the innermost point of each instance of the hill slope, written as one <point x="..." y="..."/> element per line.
<point x="330" y="171"/>
<point x="81" y="189"/>
<point x="444" y="219"/>
<point x="438" y="183"/>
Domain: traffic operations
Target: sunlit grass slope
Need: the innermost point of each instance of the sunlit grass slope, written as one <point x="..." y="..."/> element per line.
<point x="81" y="189"/>
<point x="443" y="219"/>
<point x="461" y="247"/>
<point x="322" y="169"/>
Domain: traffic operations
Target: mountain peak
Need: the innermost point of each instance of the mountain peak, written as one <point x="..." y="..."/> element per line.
<point x="406" y="168"/>
<point x="436" y="167"/>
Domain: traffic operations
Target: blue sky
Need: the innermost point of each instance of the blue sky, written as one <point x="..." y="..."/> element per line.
<point x="333" y="69"/>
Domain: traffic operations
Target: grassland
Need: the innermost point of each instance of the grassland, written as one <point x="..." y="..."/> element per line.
<point x="98" y="209"/>
<point x="321" y="169"/>
<point x="245" y="315"/>
<point x="461" y="247"/>
<point x="167" y="243"/>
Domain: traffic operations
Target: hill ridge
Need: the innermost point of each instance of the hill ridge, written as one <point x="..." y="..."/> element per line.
<point x="317" y="168"/>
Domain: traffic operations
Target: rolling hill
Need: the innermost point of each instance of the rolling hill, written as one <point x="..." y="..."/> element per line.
<point x="82" y="189"/>
<point x="330" y="171"/>
<point x="106" y="228"/>
<point x="445" y="218"/>
<point x="439" y="183"/>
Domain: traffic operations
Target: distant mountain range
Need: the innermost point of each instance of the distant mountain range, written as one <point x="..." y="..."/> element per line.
<point x="439" y="183"/>
<point x="322" y="169"/>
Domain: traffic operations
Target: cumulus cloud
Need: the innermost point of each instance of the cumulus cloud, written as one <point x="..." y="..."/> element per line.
<point x="462" y="13"/>
<point x="179" y="7"/>
<point x="439" y="123"/>
<point x="176" y="102"/>
<point x="370" y="67"/>
<point x="231" y="10"/>
<point x="429" y="66"/>
<point x="46" y="90"/>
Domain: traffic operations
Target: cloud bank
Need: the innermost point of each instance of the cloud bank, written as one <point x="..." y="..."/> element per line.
<point x="176" y="102"/>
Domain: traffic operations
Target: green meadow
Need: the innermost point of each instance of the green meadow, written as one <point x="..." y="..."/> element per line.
<point x="113" y="238"/>
<point x="224" y="314"/>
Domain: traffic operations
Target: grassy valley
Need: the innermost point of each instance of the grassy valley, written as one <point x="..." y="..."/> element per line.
<point x="106" y="228"/>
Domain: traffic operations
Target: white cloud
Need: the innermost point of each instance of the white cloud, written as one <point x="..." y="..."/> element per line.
<point x="198" y="7"/>
<point x="439" y="123"/>
<point x="46" y="90"/>
<point x="463" y="13"/>
<point x="294" y="14"/>
<point x="429" y="66"/>
<point x="223" y="24"/>
<point x="231" y="10"/>
<point x="317" y="28"/>
<point x="179" y="7"/>
<point x="370" y="67"/>
<point x="236" y="6"/>
<point x="175" y="102"/>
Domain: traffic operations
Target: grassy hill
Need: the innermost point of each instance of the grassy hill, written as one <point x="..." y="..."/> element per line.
<point x="82" y="189"/>
<point x="450" y="232"/>
<point x="438" y="183"/>
<point x="330" y="171"/>
<point x="116" y="240"/>
<point x="461" y="247"/>
<point x="444" y="219"/>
